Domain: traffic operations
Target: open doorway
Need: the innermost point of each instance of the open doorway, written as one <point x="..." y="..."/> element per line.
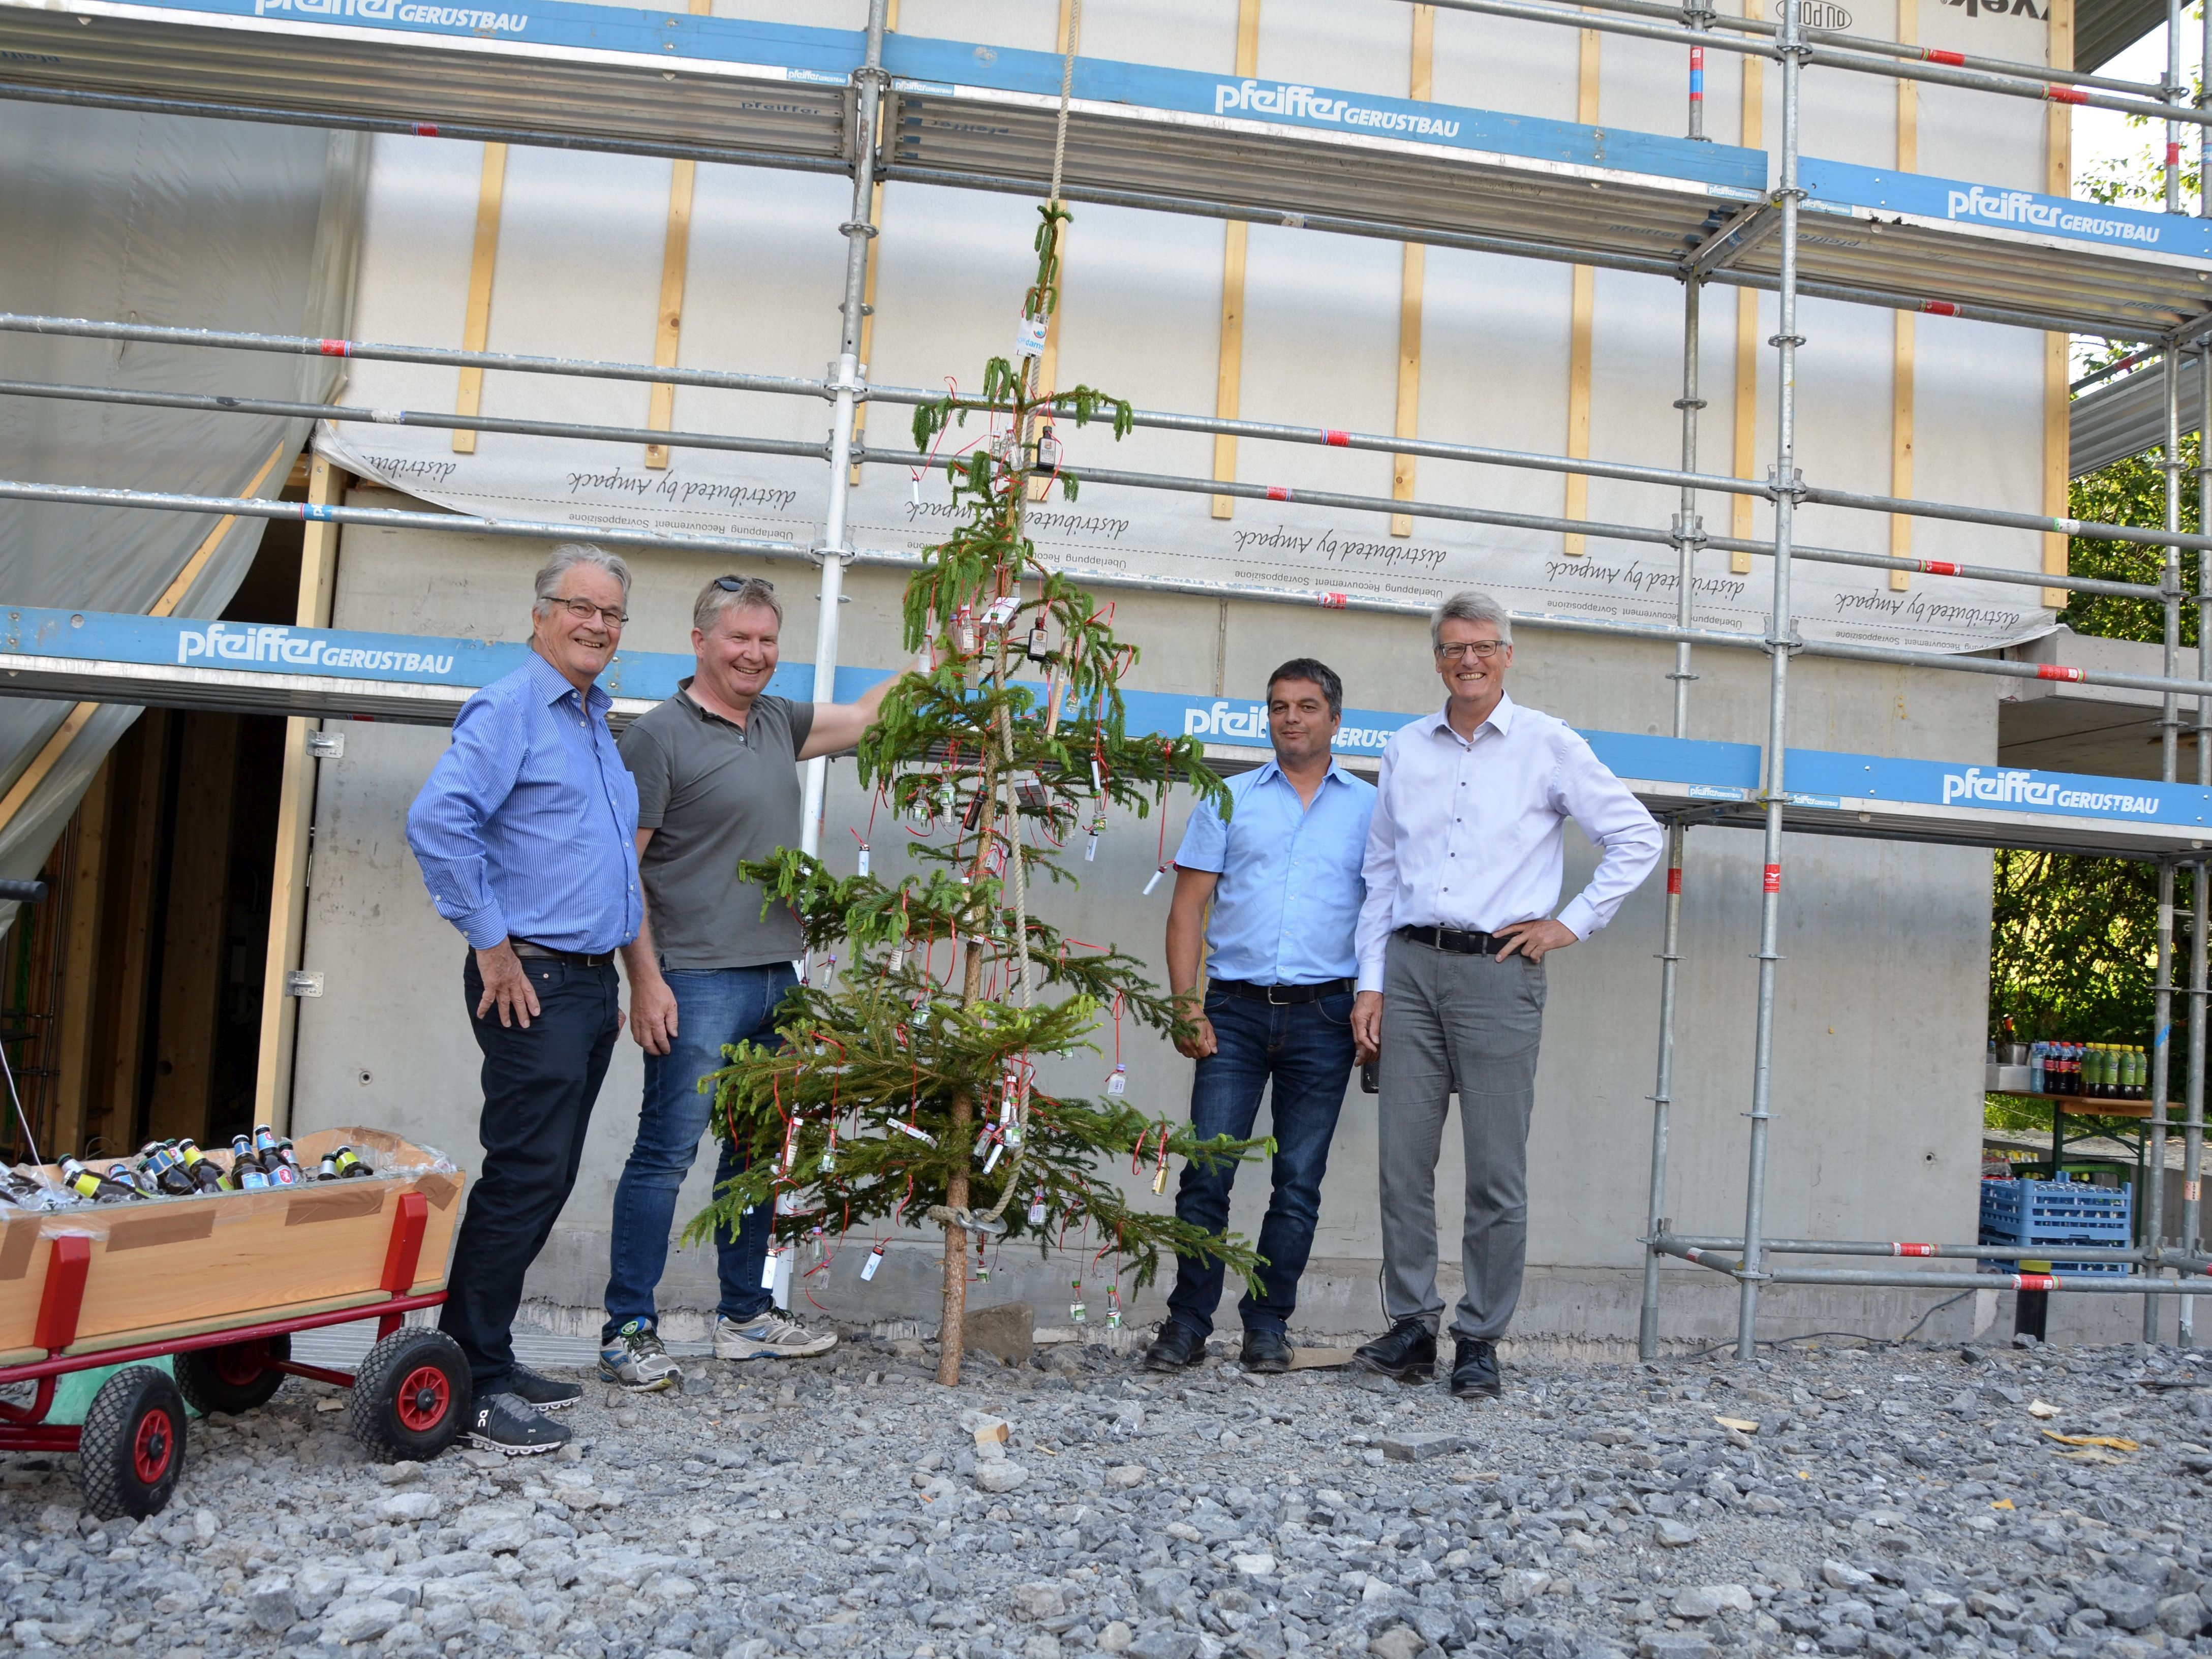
<point x="131" y="1002"/>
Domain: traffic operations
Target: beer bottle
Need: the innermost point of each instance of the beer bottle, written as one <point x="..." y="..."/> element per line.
<point x="205" y="1177"/>
<point x="264" y="1142"/>
<point x="160" y="1160"/>
<point x="283" y="1164"/>
<point x="89" y="1183"/>
<point x="351" y="1165"/>
<point x="247" y="1174"/>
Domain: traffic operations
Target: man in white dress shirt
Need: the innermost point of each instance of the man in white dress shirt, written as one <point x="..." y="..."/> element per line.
<point x="1465" y="856"/>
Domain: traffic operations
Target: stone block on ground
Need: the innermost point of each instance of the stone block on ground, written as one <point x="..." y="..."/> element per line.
<point x="1006" y="1332"/>
<point x="1424" y="1448"/>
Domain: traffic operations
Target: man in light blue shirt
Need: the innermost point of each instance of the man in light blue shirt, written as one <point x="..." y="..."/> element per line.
<point x="1283" y="873"/>
<point x="526" y="834"/>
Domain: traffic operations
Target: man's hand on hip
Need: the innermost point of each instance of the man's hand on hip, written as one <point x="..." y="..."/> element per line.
<point x="653" y="1015"/>
<point x="506" y="985"/>
<point x="1367" y="1025"/>
<point x="1534" y="939"/>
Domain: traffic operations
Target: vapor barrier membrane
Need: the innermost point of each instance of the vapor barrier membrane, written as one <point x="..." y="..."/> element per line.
<point x="160" y="220"/>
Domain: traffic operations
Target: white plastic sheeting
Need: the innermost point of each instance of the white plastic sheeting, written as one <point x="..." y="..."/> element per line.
<point x="578" y="274"/>
<point x="167" y="220"/>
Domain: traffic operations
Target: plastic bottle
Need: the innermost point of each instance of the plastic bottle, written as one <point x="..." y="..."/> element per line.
<point x="2037" y="1053"/>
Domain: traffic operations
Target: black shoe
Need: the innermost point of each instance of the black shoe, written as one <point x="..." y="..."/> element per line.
<point x="1267" y="1353"/>
<point x="542" y="1392"/>
<point x="506" y="1423"/>
<point x="1474" y="1370"/>
<point x="1177" y="1347"/>
<point x="1408" y="1353"/>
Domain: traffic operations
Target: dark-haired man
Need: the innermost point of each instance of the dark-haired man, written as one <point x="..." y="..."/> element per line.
<point x="1283" y="873"/>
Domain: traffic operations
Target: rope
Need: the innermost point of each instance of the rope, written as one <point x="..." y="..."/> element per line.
<point x="1067" y="87"/>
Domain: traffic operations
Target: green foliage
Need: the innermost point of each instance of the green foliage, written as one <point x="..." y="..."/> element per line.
<point x="910" y="1083"/>
<point x="2132" y="492"/>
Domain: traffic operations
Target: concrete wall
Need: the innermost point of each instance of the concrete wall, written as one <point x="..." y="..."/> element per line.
<point x="1879" y="1039"/>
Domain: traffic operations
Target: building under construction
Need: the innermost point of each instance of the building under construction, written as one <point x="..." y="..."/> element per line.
<point x="1730" y="349"/>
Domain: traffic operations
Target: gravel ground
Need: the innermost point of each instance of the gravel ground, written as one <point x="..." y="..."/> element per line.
<point x="1844" y="1501"/>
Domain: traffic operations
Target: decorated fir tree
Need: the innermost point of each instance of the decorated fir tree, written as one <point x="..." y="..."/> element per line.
<point x="906" y="1086"/>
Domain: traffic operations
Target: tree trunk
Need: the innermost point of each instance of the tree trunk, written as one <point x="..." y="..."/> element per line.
<point x="951" y="1331"/>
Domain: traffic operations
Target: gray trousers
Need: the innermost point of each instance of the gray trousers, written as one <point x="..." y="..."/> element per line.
<point x="1468" y="1025"/>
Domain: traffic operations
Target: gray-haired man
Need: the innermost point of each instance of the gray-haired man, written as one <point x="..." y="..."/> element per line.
<point x="524" y="834"/>
<point x="717" y="784"/>
<point x="1465" y="855"/>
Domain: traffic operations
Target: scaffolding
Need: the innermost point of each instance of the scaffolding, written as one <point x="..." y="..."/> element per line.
<point x="877" y="107"/>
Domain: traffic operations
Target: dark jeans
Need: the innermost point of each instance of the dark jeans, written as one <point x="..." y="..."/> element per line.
<point x="539" y="1087"/>
<point x="1306" y="1049"/>
<point x="723" y="1005"/>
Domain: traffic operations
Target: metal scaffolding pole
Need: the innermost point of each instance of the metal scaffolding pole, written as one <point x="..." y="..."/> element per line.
<point x="836" y="546"/>
<point x="1780" y="631"/>
<point x="1689" y="528"/>
<point x="2161" y="1073"/>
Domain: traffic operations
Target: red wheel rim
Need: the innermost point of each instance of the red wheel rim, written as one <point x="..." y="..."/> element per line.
<point x="242" y="1364"/>
<point x="153" y="1446"/>
<point x="423" y="1400"/>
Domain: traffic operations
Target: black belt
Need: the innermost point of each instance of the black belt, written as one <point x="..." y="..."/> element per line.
<point x="523" y="947"/>
<point x="1458" y="940"/>
<point x="1284" y="995"/>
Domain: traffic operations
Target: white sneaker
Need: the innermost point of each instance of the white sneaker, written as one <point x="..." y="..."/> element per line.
<point x="636" y="1360"/>
<point x="770" y="1337"/>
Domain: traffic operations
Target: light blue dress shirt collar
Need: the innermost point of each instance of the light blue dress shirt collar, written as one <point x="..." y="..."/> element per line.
<point x="1501" y="717"/>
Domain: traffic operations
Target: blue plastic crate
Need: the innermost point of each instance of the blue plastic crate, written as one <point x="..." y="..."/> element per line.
<point x="2044" y="1214"/>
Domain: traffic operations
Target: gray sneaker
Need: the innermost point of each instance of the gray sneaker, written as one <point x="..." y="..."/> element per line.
<point x="636" y="1360"/>
<point x="770" y="1337"/>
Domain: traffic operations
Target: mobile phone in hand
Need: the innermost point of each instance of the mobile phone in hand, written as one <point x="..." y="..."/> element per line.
<point x="1371" y="1082"/>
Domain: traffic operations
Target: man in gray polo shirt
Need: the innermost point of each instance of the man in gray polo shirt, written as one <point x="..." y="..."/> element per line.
<point x="717" y="784"/>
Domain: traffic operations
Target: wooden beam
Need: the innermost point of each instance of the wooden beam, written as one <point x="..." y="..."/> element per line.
<point x="1901" y="381"/>
<point x="295" y="818"/>
<point x="475" y="322"/>
<point x="1746" y="458"/>
<point x="137" y="837"/>
<point x="668" y="322"/>
<point x="2058" y="436"/>
<point x="1421" y="82"/>
<point x="193" y="927"/>
<point x="77" y="1019"/>
<point x="1581" y="316"/>
<point x="1229" y="378"/>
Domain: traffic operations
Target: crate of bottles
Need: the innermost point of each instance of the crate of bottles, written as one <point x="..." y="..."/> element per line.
<point x="173" y="1266"/>
<point x="2046" y="1214"/>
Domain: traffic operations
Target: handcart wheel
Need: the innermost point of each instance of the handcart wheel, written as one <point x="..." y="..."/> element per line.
<point x="411" y="1396"/>
<point x="132" y="1449"/>
<point x="235" y="1377"/>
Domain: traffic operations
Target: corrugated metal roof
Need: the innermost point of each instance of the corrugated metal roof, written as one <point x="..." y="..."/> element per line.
<point x="2126" y="417"/>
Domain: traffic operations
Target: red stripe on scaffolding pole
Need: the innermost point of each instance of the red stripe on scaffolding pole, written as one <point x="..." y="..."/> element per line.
<point x="1773" y="884"/>
<point x="1278" y="492"/>
<point x="2052" y="671"/>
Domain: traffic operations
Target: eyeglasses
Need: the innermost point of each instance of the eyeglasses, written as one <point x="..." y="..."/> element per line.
<point x="738" y="583"/>
<point x="585" y="610"/>
<point x="1482" y="650"/>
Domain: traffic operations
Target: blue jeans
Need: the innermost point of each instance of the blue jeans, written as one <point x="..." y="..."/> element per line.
<point x="713" y="1007"/>
<point x="1306" y="1048"/>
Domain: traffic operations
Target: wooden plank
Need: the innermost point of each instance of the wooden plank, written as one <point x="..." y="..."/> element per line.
<point x="1420" y="83"/>
<point x="475" y="322"/>
<point x="236" y="1258"/>
<point x="1901" y="382"/>
<point x="141" y="778"/>
<point x="1578" y="401"/>
<point x="75" y="1019"/>
<point x="295" y="818"/>
<point x="1582" y="312"/>
<point x="2057" y="437"/>
<point x="1746" y="460"/>
<point x="668" y="324"/>
<point x="193" y="927"/>
<point x="1230" y="379"/>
